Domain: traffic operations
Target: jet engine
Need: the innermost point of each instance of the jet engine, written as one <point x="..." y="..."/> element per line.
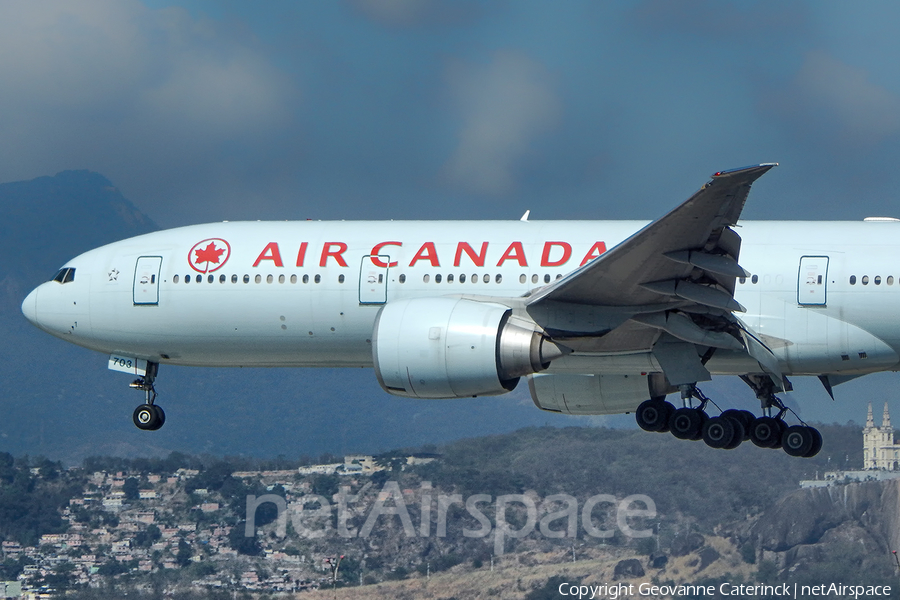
<point x="455" y="348"/>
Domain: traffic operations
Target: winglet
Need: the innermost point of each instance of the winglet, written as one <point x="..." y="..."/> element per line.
<point x="525" y="216"/>
<point x="763" y="167"/>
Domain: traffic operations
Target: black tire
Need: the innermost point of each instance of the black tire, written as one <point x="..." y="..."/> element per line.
<point x="718" y="432"/>
<point x="782" y="427"/>
<point x="653" y="415"/>
<point x="817" y="443"/>
<point x="739" y="432"/>
<point x="765" y="432"/>
<point x="669" y="408"/>
<point x="703" y="419"/>
<point x="798" y="440"/>
<point x="160" y="416"/>
<point x="686" y="423"/>
<point x="745" y="417"/>
<point x="144" y="417"/>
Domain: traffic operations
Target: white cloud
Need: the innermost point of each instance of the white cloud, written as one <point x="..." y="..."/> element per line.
<point x="107" y="84"/>
<point x="505" y="105"/>
<point x="828" y="98"/>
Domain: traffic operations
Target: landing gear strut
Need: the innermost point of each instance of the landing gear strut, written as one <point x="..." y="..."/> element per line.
<point x="770" y="431"/>
<point x="148" y="416"/>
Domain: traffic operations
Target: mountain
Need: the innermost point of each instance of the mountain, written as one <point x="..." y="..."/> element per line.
<point x="60" y="401"/>
<point x="51" y="219"/>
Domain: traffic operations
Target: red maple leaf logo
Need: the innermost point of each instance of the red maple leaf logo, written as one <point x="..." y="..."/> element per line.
<point x="210" y="254"/>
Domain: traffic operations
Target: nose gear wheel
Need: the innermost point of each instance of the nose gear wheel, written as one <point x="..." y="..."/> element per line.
<point x="148" y="416"/>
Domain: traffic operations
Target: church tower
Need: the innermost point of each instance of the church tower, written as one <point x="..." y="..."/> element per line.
<point x="879" y="449"/>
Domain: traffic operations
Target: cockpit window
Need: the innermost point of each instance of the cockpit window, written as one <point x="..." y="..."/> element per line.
<point x="64" y="276"/>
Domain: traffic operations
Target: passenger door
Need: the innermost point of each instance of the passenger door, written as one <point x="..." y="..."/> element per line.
<point x="146" y="280"/>
<point x="812" y="282"/>
<point x="373" y="277"/>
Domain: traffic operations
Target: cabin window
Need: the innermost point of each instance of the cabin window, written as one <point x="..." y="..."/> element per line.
<point x="281" y="279"/>
<point x="246" y="279"/>
<point x="890" y="280"/>
<point x="437" y="278"/>
<point x="293" y="279"/>
<point x="450" y="278"/>
<point x="864" y="280"/>
<point x="234" y="279"/>
<point x="534" y="278"/>
<point x="559" y="275"/>
<point x="853" y="280"/>
<point x="306" y="279"/>
<point x="547" y="278"/>
<point x="498" y="278"/>
<point x="523" y="278"/>
<point x="211" y="278"/>
<point x="258" y="279"/>
<point x="474" y="278"/>
<point x="317" y="278"/>
<point x="426" y="278"/>
<point x="402" y="278"/>
<point x="877" y="280"/>
<point x="486" y="278"/>
<point x="754" y="279"/>
<point x="340" y="279"/>
<point x="175" y="279"/>
<point x="222" y="278"/>
<point x="462" y="277"/>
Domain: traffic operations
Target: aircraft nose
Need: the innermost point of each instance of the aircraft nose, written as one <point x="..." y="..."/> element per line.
<point x="29" y="306"/>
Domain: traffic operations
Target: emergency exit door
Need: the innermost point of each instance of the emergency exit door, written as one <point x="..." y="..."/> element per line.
<point x="813" y="281"/>
<point x="146" y="280"/>
<point x="373" y="276"/>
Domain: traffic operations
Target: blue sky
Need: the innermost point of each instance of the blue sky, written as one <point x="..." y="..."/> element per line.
<point x="203" y="111"/>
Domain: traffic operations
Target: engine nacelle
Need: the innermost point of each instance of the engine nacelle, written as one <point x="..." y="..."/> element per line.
<point x="595" y="394"/>
<point x="455" y="348"/>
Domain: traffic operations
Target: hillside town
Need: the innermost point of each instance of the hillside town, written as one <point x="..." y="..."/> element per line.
<point x="126" y="524"/>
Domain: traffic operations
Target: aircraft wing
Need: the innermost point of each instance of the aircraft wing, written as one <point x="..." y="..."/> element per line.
<point x="669" y="287"/>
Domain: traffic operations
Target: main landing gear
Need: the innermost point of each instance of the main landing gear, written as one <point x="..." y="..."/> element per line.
<point x="732" y="427"/>
<point x="148" y="416"/>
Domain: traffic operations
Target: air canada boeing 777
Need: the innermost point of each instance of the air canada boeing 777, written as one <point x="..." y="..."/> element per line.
<point x="599" y="317"/>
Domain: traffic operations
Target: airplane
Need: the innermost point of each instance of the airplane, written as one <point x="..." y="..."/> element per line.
<point x="598" y="317"/>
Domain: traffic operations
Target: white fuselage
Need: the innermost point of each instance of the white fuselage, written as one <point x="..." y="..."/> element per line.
<point x="307" y="293"/>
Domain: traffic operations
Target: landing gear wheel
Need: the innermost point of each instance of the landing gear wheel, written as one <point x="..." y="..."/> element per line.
<point x="744" y="417"/>
<point x="739" y="431"/>
<point x="766" y="432"/>
<point x="718" y="432"/>
<point x="160" y="417"/>
<point x="145" y="417"/>
<point x="817" y="443"/>
<point x="686" y="423"/>
<point x="798" y="440"/>
<point x="653" y="415"/>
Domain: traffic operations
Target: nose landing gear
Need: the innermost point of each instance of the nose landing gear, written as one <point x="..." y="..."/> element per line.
<point x="148" y="416"/>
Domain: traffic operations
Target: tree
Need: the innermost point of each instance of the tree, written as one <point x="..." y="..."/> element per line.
<point x="131" y="487"/>
<point x="183" y="556"/>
